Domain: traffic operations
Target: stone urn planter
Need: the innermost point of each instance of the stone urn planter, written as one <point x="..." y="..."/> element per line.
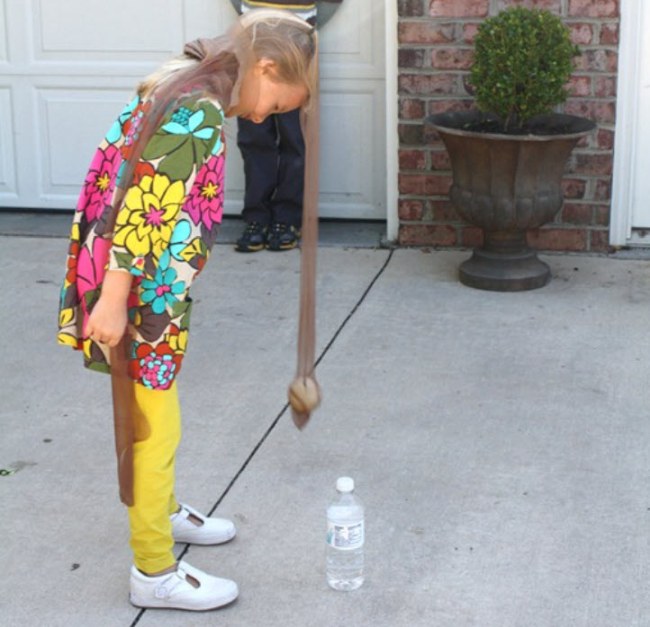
<point x="507" y="184"/>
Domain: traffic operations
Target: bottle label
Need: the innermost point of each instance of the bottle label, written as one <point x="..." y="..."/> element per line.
<point x="345" y="537"/>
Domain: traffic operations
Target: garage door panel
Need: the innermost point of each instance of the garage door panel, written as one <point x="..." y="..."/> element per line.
<point x="91" y="34"/>
<point x="206" y="18"/>
<point x="8" y="185"/>
<point x="4" y="30"/>
<point x="352" y="45"/>
<point x="64" y="115"/>
<point x="352" y="187"/>
<point x="95" y="30"/>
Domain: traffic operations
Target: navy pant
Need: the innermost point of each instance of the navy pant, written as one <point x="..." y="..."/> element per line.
<point x="274" y="166"/>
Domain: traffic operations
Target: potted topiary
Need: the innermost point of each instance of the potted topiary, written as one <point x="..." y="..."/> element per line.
<point x="508" y="158"/>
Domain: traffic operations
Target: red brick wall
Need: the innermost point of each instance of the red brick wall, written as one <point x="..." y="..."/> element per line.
<point x="435" y="53"/>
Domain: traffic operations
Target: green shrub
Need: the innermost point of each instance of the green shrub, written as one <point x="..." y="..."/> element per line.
<point x="523" y="59"/>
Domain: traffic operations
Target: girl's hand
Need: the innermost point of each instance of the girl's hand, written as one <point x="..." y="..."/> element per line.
<point x="107" y="322"/>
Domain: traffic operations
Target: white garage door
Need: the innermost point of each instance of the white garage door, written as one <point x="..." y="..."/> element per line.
<point x="68" y="66"/>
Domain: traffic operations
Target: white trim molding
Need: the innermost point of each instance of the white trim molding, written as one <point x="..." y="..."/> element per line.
<point x="392" y="114"/>
<point x="627" y="122"/>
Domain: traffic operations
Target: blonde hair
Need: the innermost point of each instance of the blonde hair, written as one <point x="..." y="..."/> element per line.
<point x="288" y="41"/>
<point x="280" y="36"/>
<point x="164" y="73"/>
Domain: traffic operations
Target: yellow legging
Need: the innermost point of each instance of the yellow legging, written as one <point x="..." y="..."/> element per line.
<point x="157" y="422"/>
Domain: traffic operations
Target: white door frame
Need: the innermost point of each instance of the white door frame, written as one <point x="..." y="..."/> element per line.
<point x="392" y="120"/>
<point x="627" y="121"/>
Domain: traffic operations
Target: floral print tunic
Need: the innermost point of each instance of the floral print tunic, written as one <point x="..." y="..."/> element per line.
<point x="163" y="233"/>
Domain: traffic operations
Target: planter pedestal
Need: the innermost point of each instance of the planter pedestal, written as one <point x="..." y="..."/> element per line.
<point x="507" y="184"/>
<point x="505" y="263"/>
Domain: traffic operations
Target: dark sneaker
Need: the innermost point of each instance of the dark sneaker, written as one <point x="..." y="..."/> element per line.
<point x="282" y="236"/>
<point x="252" y="239"/>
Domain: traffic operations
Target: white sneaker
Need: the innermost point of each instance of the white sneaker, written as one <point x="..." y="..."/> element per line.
<point x="211" y="531"/>
<point x="174" y="591"/>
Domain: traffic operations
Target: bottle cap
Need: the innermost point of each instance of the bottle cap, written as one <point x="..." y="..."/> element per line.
<point x="345" y="484"/>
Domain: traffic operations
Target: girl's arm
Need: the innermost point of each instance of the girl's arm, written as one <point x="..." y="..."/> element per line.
<point x="107" y="321"/>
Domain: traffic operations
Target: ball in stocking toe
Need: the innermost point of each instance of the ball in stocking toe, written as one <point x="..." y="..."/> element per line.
<point x="304" y="394"/>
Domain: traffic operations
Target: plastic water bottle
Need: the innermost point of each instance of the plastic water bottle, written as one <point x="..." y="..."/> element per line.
<point x="345" y="538"/>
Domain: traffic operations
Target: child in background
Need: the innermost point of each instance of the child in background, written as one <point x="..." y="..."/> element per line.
<point x="145" y="223"/>
<point x="273" y="151"/>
